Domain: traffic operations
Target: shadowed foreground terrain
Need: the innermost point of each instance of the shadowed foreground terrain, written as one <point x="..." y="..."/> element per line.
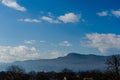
<point x="63" y="75"/>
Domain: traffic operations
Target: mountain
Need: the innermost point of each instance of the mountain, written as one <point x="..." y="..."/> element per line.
<point x="73" y="61"/>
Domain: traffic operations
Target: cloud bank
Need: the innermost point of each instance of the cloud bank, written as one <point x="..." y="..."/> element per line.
<point x="18" y="53"/>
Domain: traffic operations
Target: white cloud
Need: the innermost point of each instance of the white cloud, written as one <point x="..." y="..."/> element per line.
<point x="55" y="54"/>
<point x="103" y="13"/>
<point x="67" y="18"/>
<point x="103" y="42"/>
<point x="70" y="18"/>
<point x="13" y="4"/>
<point x="29" y="20"/>
<point x="30" y="42"/>
<point x="18" y="53"/>
<point x="65" y="43"/>
<point x="49" y="19"/>
<point x="116" y="13"/>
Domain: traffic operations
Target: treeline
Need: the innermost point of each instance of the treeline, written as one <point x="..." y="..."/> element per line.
<point x="63" y="75"/>
<point x="112" y="73"/>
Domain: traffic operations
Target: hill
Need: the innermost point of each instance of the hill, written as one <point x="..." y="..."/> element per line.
<point x="73" y="61"/>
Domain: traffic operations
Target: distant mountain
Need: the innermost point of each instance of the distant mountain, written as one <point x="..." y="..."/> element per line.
<point x="73" y="61"/>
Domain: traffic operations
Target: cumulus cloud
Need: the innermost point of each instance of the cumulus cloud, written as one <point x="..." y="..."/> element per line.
<point x="13" y="4"/>
<point x="30" y="41"/>
<point x="29" y="20"/>
<point x="103" y="13"/>
<point x="18" y="53"/>
<point x="116" y="13"/>
<point x="69" y="18"/>
<point x="103" y="42"/>
<point x="49" y="19"/>
<point x="65" y="43"/>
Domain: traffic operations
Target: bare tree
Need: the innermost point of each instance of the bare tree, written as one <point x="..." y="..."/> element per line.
<point x="113" y="65"/>
<point x="15" y="69"/>
<point x="15" y="72"/>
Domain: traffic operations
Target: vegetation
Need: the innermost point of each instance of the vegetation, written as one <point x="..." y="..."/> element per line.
<point x="112" y="73"/>
<point x="113" y="67"/>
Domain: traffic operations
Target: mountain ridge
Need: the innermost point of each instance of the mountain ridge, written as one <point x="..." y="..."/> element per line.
<point x="73" y="61"/>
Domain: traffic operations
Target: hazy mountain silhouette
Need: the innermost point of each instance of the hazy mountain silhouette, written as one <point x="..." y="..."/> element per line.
<point x="72" y="61"/>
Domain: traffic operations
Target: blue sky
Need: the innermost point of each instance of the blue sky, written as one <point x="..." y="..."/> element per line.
<point x="49" y="29"/>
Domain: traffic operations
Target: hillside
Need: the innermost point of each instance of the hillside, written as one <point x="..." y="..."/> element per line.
<point x="72" y="61"/>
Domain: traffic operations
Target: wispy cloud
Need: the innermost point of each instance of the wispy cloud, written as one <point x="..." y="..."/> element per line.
<point x="49" y="19"/>
<point x="29" y="20"/>
<point x="30" y="41"/>
<point x="69" y="18"/>
<point x="55" y="54"/>
<point x="103" y="13"/>
<point x="102" y="42"/>
<point x="13" y="4"/>
<point x="43" y="41"/>
<point x="65" y="43"/>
